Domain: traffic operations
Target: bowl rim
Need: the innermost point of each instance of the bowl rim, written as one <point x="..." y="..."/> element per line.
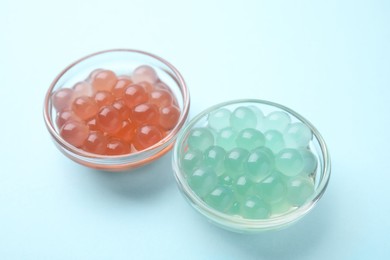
<point x="79" y="152"/>
<point x="237" y="223"/>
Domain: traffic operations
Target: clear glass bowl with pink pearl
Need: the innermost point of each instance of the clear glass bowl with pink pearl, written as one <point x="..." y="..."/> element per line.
<point x="117" y="109"/>
<point x="251" y="165"/>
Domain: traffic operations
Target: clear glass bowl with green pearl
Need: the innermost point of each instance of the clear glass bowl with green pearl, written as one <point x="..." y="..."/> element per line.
<point x="251" y="165"/>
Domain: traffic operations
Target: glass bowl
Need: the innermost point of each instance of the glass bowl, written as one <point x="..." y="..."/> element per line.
<point x="269" y="173"/>
<point x="121" y="62"/>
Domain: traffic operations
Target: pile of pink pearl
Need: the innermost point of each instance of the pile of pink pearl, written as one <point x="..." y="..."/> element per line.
<point x="112" y="115"/>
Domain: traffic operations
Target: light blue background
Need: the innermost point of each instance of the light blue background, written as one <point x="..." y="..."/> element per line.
<point x="328" y="60"/>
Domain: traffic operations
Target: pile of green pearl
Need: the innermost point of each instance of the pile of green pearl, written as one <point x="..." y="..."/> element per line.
<point x="248" y="164"/>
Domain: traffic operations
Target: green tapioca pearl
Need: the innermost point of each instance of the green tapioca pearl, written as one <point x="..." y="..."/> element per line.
<point x="234" y="161"/>
<point x="273" y="188"/>
<point x="289" y="162"/>
<point x="200" y="138"/>
<point x="277" y="120"/>
<point x="226" y="138"/>
<point x="220" y="198"/>
<point x="214" y="157"/>
<point x="242" y="185"/>
<point x="280" y="207"/>
<point x="219" y="119"/>
<point x="202" y="180"/>
<point x="274" y="140"/>
<point x="259" y="116"/>
<point x="255" y="208"/>
<point x="309" y="162"/>
<point x="298" y="135"/>
<point x="226" y="180"/>
<point x="234" y="208"/>
<point x="190" y="160"/>
<point x="243" y="117"/>
<point x="260" y="164"/>
<point x="299" y="190"/>
<point x="250" y="138"/>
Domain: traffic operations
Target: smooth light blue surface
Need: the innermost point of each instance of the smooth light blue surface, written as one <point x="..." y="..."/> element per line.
<point x="327" y="60"/>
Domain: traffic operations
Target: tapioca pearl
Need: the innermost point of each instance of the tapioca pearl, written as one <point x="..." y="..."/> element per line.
<point x="235" y="160"/>
<point x="83" y="88"/>
<point x="104" y="80"/>
<point x="144" y="73"/>
<point x="162" y="86"/>
<point x="243" y="117"/>
<point x="91" y="123"/>
<point x="259" y="164"/>
<point x="127" y="131"/>
<point x="119" y="87"/>
<point x="160" y="98"/>
<point x="298" y="135"/>
<point x="146" y="136"/>
<point x="74" y="132"/>
<point x="254" y="207"/>
<point x="134" y="95"/>
<point x="62" y="99"/>
<point x="259" y="116"/>
<point x="117" y="147"/>
<point x="243" y="186"/>
<point x="190" y="160"/>
<point x="145" y="113"/>
<point x="103" y="98"/>
<point x="310" y="162"/>
<point x="273" y="188"/>
<point x="200" y="138"/>
<point x="84" y="107"/>
<point x="289" y="162"/>
<point x="123" y="110"/>
<point x="280" y="207"/>
<point x="96" y="142"/>
<point x="299" y="190"/>
<point x="220" y="198"/>
<point x="250" y="138"/>
<point x="215" y="134"/>
<point x="219" y="119"/>
<point x="274" y="140"/>
<point x="214" y="157"/>
<point x="108" y="120"/>
<point x="92" y="75"/>
<point x="234" y="209"/>
<point x="202" y="181"/>
<point x="226" y="138"/>
<point x="169" y="116"/>
<point x="225" y="179"/>
<point x="277" y="120"/>
<point x="147" y="86"/>
<point x="65" y="116"/>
